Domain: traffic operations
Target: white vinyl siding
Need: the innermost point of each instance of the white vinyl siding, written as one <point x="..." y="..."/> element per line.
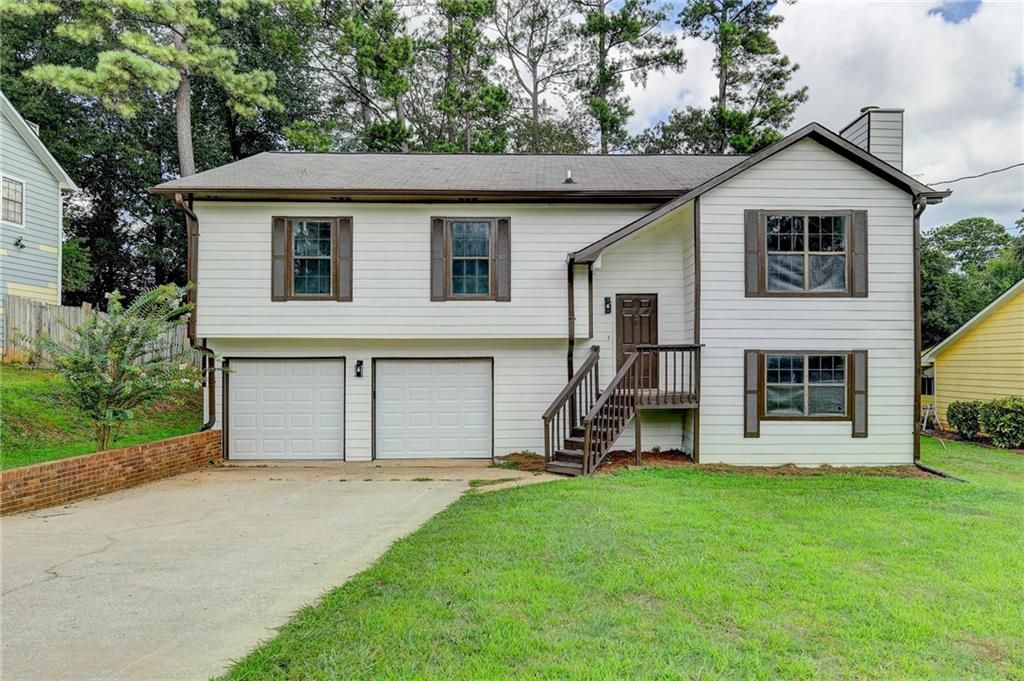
<point x="807" y="177"/>
<point x="858" y="132"/>
<point x="433" y="408"/>
<point x="391" y="272"/>
<point x="886" y="132"/>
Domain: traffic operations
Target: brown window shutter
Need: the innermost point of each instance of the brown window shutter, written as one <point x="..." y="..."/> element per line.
<point x="503" y="261"/>
<point x="859" y="254"/>
<point x="343" y="260"/>
<point x="859" y="392"/>
<point x="279" y="259"/>
<point x="751" y="396"/>
<point x="437" y="264"/>
<point x="753" y="251"/>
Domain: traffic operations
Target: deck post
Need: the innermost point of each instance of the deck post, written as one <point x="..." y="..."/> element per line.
<point x="639" y="447"/>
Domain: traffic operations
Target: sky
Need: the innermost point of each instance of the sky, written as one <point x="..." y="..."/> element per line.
<point x="957" y="68"/>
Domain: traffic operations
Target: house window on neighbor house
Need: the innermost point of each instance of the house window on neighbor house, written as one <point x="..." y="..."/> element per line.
<point x="805" y="386"/>
<point x="806" y="253"/>
<point x="311" y="257"/>
<point x="13" y="208"/>
<point x="470" y="244"/>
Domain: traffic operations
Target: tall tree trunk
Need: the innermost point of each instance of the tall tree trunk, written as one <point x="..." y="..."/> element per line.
<point x="183" y="110"/>
<point x="400" y="115"/>
<point x="723" y="82"/>
<point x="534" y="111"/>
<point x="602" y="89"/>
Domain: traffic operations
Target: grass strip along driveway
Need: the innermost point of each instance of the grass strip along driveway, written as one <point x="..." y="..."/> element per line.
<point x="689" y="573"/>
<point x="39" y="426"/>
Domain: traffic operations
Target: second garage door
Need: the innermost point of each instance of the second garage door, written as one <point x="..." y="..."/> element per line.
<point x="430" y="408"/>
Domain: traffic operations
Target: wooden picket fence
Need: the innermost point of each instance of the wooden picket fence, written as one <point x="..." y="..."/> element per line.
<point x="26" y="321"/>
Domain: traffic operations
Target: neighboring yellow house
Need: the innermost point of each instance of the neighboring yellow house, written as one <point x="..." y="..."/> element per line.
<point x="981" y="360"/>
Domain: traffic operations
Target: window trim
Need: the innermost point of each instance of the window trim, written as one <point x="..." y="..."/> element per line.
<point x="24" y="201"/>
<point x="289" y="259"/>
<point x="762" y="236"/>
<point x="762" y="392"/>
<point x="449" y="259"/>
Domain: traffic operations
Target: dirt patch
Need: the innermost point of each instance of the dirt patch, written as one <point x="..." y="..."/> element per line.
<point x="618" y="460"/>
<point x="521" y="461"/>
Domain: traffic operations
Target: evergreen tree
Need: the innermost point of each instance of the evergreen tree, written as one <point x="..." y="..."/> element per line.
<point x="538" y="39"/>
<point x="752" y="107"/>
<point x="148" y="48"/>
<point x="620" y="39"/>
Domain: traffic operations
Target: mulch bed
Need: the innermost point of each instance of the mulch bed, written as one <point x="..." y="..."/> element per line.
<point x="623" y="460"/>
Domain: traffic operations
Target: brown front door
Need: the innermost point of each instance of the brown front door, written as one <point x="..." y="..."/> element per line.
<point x="636" y="323"/>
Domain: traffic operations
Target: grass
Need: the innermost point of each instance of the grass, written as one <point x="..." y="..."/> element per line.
<point x="38" y="426"/>
<point x="688" y="573"/>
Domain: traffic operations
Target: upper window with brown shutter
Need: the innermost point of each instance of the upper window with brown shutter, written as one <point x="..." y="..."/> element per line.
<point x="311" y="258"/>
<point x="470" y="259"/>
<point x="806" y="253"/>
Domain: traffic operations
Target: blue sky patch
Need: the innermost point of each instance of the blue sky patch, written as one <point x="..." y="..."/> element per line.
<point x="956" y="11"/>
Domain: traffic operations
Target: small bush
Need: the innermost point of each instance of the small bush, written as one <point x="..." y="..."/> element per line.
<point x="1003" y="420"/>
<point x="963" y="418"/>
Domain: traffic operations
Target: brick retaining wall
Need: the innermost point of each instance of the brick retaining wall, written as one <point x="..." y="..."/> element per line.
<point x="59" y="482"/>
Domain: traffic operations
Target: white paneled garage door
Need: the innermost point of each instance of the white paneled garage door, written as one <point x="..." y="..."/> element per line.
<point x="286" y="408"/>
<point x="433" y="408"/>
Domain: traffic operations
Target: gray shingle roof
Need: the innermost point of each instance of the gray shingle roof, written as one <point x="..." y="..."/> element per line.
<point x="455" y="173"/>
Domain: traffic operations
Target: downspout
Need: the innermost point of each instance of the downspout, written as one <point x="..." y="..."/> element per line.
<point x="570" y="263"/>
<point x="209" y="366"/>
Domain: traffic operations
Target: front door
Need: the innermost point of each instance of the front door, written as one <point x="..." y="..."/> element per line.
<point x="636" y="323"/>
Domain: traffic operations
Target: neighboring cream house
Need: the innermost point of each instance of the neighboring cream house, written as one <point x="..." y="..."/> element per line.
<point x="31" y="211"/>
<point x="755" y="310"/>
<point x="983" y="359"/>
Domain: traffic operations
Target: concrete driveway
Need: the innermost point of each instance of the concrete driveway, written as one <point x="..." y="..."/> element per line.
<point x="175" y="579"/>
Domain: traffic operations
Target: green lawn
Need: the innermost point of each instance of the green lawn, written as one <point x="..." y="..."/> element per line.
<point x="37" y="426"/>
<point x="684" y="573"/>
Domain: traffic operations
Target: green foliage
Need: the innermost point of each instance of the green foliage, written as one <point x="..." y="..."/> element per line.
<point x="964" y="267"/>
<point x="620" y="39"/>
<point x="1003" y="420"/>
<point x="76" y="266"/>
<point x="38" y="426"/>
<point x="753" y="107"/>
<point x="963" y="417"/>
<point x="114" y="364"/>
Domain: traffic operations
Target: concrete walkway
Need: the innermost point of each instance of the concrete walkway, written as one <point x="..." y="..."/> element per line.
<point x="175" y="579"/>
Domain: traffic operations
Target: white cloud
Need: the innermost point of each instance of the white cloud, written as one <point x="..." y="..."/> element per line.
<point x="959" y="83"/>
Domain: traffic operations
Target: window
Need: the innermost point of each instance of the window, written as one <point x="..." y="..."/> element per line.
<point x="806" y="253"/>
<point x="470" y="243"/>
<point x="13" y="201"/>
<point x="470" y="259"/>
<point x="928" y="381"/>
<point x="799" y="385"/>
<point x="311" y="258"/>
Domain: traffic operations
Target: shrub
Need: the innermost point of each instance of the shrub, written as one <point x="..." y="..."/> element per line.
<point x="118" y="363"/>
<point x="963" y="418"/>
<point x="1003" y="420"/>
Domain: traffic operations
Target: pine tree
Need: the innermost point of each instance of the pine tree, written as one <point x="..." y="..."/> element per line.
<point x="752" y="107"/>
<point x="620" y="39"/>
<point x="152" y="47"/>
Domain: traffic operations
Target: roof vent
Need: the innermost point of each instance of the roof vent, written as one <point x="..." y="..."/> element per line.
<point x="568" y="178"/>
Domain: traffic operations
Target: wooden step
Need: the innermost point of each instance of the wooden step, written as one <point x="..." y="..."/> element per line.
<point x="564" y="467"/>
<point x="573" y="443"/>
<point x="569" y="455"/>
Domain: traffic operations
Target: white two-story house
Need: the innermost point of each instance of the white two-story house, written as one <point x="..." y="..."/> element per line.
<point x="746" y="310"/>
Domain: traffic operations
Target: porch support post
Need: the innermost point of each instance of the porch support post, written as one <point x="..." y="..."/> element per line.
<point x="639" y="446"/>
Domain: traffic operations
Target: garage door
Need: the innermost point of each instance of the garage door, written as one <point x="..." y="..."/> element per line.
<point x="433" y="408"/>
<point x="286" y="409"/>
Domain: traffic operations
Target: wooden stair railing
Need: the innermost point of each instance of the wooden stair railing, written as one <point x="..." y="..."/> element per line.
<point x="566" y="412"/>
<point x="611" y="412"/>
